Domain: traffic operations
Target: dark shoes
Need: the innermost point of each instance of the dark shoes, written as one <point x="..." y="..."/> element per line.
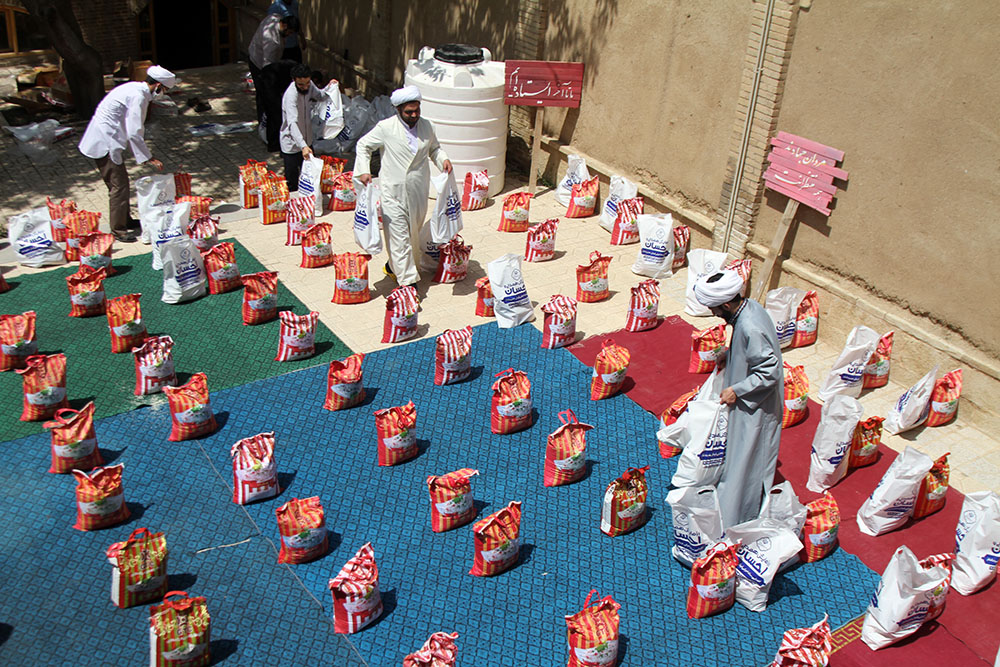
<point x="134" y="224"/>
<point x="124" y="237"/>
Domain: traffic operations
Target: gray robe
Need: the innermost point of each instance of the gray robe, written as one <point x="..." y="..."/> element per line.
<point x="755" y="372"/>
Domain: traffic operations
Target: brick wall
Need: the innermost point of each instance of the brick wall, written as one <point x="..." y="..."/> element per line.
<point x="109" y="27"/>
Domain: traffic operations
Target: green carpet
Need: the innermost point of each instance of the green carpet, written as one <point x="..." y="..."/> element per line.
<point x="209" y="337"/>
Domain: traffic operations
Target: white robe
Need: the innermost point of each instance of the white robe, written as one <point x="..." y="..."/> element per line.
<point x="404" y="181"/>
<point x="117" y="123"/>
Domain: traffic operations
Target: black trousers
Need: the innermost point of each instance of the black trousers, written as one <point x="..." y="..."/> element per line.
<point x="293" y="167"/>
<point x="258" y="86"/>
<point x="276" y="78"/>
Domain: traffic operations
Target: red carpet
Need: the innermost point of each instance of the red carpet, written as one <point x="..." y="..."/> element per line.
<point x="967" y="632"/>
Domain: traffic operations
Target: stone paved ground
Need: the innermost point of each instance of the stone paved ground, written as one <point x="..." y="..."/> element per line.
<point x="212" y="161"/>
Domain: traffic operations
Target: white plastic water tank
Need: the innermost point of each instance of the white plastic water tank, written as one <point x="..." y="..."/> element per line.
<point x="462" y="90"/>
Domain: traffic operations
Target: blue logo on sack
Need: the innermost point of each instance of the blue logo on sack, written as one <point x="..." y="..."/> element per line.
<point x="853" y="373"/>
<point x="654" y="251"/>
<point x="901" y="507"/>
<point x="752" y="565"/>
<point x="453" y="207"/>
<point x="360" y="218"/>
<point x="611" y="205"/>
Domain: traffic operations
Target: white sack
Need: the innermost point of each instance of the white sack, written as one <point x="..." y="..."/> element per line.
<point x="166" y="223"/>
<point x="977" y="542"/>
<point x="183" y="271"/>
<point x="704" y="452"/>
<point x="892" y="501"/>
<point x="912" y="407"/>
<point x="31" y="235"/>
<point x="511" y="304"/>
<point x="576" y="172"/>
<point x="655" y="258"/>
<point x="697" y="522"/>
<point x="446" y="218"/>
<point x="782" y="305"/>
<point x="150" y="191"/>
<point x="620" y="189"/>
<point x="330" y="112"/>
<point x="832" y="442"/>
<point x="678" y="433"/>
<point x="847" y="372"/>
<point x="701" y="263"/>
<point x="309" y="181"/>
<point x="782" y="505"/>
<point x="766" y="544"/>
<point x="430" y="252"/>
<point x="366" y="215"/>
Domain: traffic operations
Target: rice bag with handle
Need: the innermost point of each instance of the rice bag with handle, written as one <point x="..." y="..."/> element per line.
<point x="913" y="407"/>
<point x="700" y="263"/>
<point x="484" y="297"/>
<point x="184" y="277"/>
<point x="877" y="368"/>
<point x="154" y="365"/>
<point x="619" y="189"/>
<point x="806" y="320"/>
<point x="182" y="184"/>
<point x="180" y="631"/>
<point x="819" y="532"/>
<point x="707" y="346"/>
<point x="100" y="498"/>
<point x="250" y="176"/>
<point x="610" y="369"/>
<point x="139" y="568"/>
<point x="977" y="542"/>
<point x="796" y="403"/>
<point x="302" y="526"/>
<point x="624" y="506"/>
<point x="848" y="370"/>
<point x="350" y="283"/>
<point x="696" y="522"/>
<point x="260" y="297"/>
<point x="643" y="306"/>
<point x="476" y="190"/>
<point x="221" y="269"/>
<point x="58" y="211"/>
<point x="273" y="199"/>
<point x="200" y="206"/>
<point x="510" y="408"/>
<point x="742" y="267"/>
<point x="592" y="633"/>
<point x="74" y="440"/>
<point x="497" y="541"/>
<point x="400" y="321"/>
<point x="446" y="218"/>
<point x="559" y="323"/>
<point x="357" y="600"/>
<point x="944" y="398"/>
<point x="540" y="244"/>
<point x="682" y="244"/>
<point x="300" y="215"/>
<point x="669" y="439"/>
<point x="452" y="356"/>
<point x="438" y="651"/>
<point x="656" y="246"/>
<point x="154" y="193"/>
<point x="344" y="386"/>
<point x="713" y="581"/>
<point x="782" y="304"/>
<point x="17" y="340"/>
<point x="30" y="234"/>
<point x="79" y="224"/>
<point x="332" y="166"/>
<point x="297" y="336"/>
<point x="453" y="261"/>
<point x="86" y="292"/>
<point x="805" y="647"/>
<point x="625" y="229"/>
<point x="451" y="499"/>
<point x="343" y="196"/>
<point x="317" y="247"/>
<point x="511" y="305"/>
<point x="128" y="331"/>
<point x="166" y="223"/>
<point x="396" y="430"/>
<point x="576" y="172"/>
<point x="515" y="212"/>
<point x="43" y="381"/>
<point x="891" y="503"/>
<point x="764" y="545"/>
<point x="95" y="251"/>
<point x="864" y="444"/>
<point x="704" y="437"/>
<point x="367" y="217"/>
<point x="584" y="198"/>
<point x="832" y="442"/>
<point x="782" y="505"/>
<point x="933" y="488"/>
<point x="565" y="451"/>
<point x="191" y="413"/>
<point x="255" y="474"/>
<point x="204" y="231"/>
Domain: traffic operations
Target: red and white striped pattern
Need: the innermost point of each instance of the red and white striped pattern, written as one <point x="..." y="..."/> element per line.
<point x="796" y="404"/>
<point x="250" y="176"/>
<point x="191" y="413"/>
<point x="139" y="568"/>
<point x="255" y="474"/>
<point x="865" y="442"/>
<point x="452" y="356"/>
<point x="302" y="526"/>
<point x="877" y="369"/>
<point x="180" y="632"/>
<point x="805" y="647"/>
<point x="742" y="267"/>
<point x="95" y="251"/>
<point x="935" y="605"/>
<point x="559" y="325"/>
<point x="484" y="297"/>
<point x="497" y="541"/>
<point x="74" y="440"/>
<point x="76" y="225"/>
<point x="934" y="486"/>
<point x="200" y="206"/>
<point x="713" y="581"/>
<point x="43" y="382"/>
<point x="592" y="279"/>
<point x="344" y="387"/>
<point x="592" y="633"/>
<point x="343" y="196"/>
<point x="438" y="651"/>
<point x="182" y="184"/>
<point x="707" y="346"/>
<point x="510" y="408"/>
<point x="17" y="339"/>
<point x="86" y="292"/>
<point x="154" y="365"/>
<point x="204" y="231"/>
<point x="400" y="315"/>
<point x="669" y="416"/>
<point x="564" y="451"/>
<point x="819" y="533"/>
<point x="297" y="335"/>
<point x="477" y="186"/>
<point x="624" y="506"/>
<point x="100" y="498"/>
<point x="541" y="242"/>
<point x="451" y="499"/>
<point x="396" y="431"/>
<point x="260" y="297"/>
<point x="944" y="398"/>
<point x="515" y="214"/>
<point x="643" y="306"/>
<point x="58" y="211"/>
<point x="610" y="369"/>
<point x="682" y="243"/>
<point x="453" y="261"/>
<point x="625" y="230"/>
<point x="220" y="265"/>
<point x="128" y="331"/>
<point x="273" y="198"/>
<point x="317" y="249"/>
<point x="300" y="215"/>
<point x="356" y="597"/>
<point x="806" y="320"/>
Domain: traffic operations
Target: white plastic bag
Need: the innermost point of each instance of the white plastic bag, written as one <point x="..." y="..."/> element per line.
<point x="701" y="263"/>
<point x="901" y="601"/>
<point x="831" y="444"/>
<point x="697" y="522"/>
<point x="677" y="434"/>
<point x="782" y="305"/>
<point x="912" y="407"/>
<point x="446" y="219"/>
<point x="782" y="505"/>
<point x="183" y="271"/>
<point x="150" y="191"/>
<point x="366" y="217"/>
<point x="655" y="258"/>
<point x="430" y="252"/>
<point x="891" y="503"/>
<point x="35" y="140"/>
<point x="511" y="304"/>
<point x="977" y="542"/>
<point x="330" y="111"/>
<point x="167" y="222"/>
<point x="765" y="545"/>
<point x="704" y="452"/>
<point x="309" y="181"/>
<point x="620" y="189"/>
<point x="31" y="235"/>
<point x="848" y="371"/>
<point x="576" y="172"/>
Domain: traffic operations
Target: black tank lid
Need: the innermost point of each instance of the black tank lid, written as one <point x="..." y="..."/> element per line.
<point x="459" y="54"/>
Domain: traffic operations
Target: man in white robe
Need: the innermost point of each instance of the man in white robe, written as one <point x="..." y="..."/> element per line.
<point x="408" y="144"/>
<point x="754" y="391"/>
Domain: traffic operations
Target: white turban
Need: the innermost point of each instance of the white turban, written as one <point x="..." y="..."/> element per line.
<point x="163" y="75"/>
<point x="713" y="294"/>
<point x="404" y="95"/>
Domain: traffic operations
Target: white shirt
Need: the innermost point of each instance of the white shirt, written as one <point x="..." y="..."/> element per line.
<point x="118" y="122"/>
<point x="267" y="44"/>
<point x="411" y="136"/>
<point x="296" y="123"/>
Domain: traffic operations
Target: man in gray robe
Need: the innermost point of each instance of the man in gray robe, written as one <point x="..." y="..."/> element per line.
<point x="754" y="392"/>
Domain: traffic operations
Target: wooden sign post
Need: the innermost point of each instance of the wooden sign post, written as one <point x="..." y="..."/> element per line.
<point x="540" y="84"/>
<point x="803" y="170"/>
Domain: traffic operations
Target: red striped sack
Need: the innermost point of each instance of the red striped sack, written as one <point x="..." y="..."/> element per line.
<point x="154" y="365"/>
<point x="204" y="231"/>
<point x="78" y="224"/>
<point x="497" y="540"/>
<point x="343" y="197"/>
<point x="273" y="198"/>
<point x="624" y="505"/>
<point x="515" y="212"/>
<point x="317" y="248"/>
<point x="682" y="243"/>
<point x="350" y="283"/>
<point x="484" y="297"/>
<point x="95" y="251"/>
<point x="125" y="323"/>
<point x="933" y="488"/>
<point x="438" y="651"/>
<point x="191" y="413"/>
<point x="565" y="451"/>
<point x="713" y="581"/>
<point x="220" y="265"/>
<point x="138" y="568"/>
<point x="625" y="230"/>
<point x="592" y="279"/>
<point x="180" y="632"/>
<point x="453" y="262"/>
<point x="819" y="533"/>
<point x="74" y="440"/>
<point x="939" y="596"/>
<point x="452" y="356"/>
<point x="255" y="474"/>
<point x="510" y="408"/>
<point x="400" y="315"/>
<point x="477" y="187"/>
<point x="396" y="429"/>
<point x="17" y="339"/>
<point x="251" y="174"/>
<point x="707" y="346"/>
<point x="297" y="336"/>
<point x="805" y="647"/>
<point x="864" y="443"/>
<point x="559" y="325"/>
<point x="944" y="398"/>
<point x="300" y="215"/>
<point x="260" y="297"/>
<point x="669" y="416"/>
<point x="182" y="184"/>
<point x="877" y="369"/>
<point x="610" y="368"/>
<point x="331" y="167"/>
<point x="540" y="244"/>
<point x="200" y="206"/>
<point x="806" y="320"/>
<point x="344" y="387"/>
<point x="302" y="526"/>
<point x="643" y="306"/>
<point x="743" y="268"/>
<point x="356" y="597"/>
<point x="43" y="380"/>
<point x="100" y="498"/>
<point x="796" y="404"/>
<point x="592" y="633"/>
<point x="86" y="292"/>
<point x="583" y="198"/>
<point x="58" y="211"/>
<point x="451" y="499"/>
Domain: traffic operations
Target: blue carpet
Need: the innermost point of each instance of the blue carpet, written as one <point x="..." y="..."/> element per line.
<point x="59" y="606"/>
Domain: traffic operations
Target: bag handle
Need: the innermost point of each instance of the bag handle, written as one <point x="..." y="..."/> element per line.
<point x="141" y="532"/>
<point x="634" y="472"/>
<point x="509" y="370"/>
<point x="593" y="258"/>
<point x="586" y="603"/>
<point x="568" y="417"/>
<point x="61" y="411"/>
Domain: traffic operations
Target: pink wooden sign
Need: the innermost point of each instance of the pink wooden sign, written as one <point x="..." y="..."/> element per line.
<point x="804" y="170"/>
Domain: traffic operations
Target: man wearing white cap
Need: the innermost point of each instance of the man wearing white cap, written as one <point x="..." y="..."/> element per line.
<point x="117" y="123"/>
<point x="408" y="143"/>
<point x="754" y="391"/>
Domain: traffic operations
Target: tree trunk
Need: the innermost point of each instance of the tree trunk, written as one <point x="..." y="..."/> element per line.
<point x="81" y="62"/>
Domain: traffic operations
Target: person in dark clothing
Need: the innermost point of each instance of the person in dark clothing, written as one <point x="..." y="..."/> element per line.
<point x="270" y="73"/>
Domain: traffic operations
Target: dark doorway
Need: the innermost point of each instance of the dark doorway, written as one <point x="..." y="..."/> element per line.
<point x="183" y="33"/>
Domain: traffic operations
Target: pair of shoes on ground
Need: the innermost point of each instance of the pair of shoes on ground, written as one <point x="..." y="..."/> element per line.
<point x="124" y="237"/>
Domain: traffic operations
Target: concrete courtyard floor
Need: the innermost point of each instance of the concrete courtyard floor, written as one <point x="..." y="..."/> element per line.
<point x="212" y="161"/>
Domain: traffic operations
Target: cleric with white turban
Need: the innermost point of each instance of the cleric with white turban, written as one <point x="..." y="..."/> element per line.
<point x="401" y="96"/>
<point x="754" y="393"/>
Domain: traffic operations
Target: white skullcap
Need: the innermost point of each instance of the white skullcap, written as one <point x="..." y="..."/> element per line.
<point x="163" y="75"/>
<point x="405" y="94"/>
<point x="720" y="291"/>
